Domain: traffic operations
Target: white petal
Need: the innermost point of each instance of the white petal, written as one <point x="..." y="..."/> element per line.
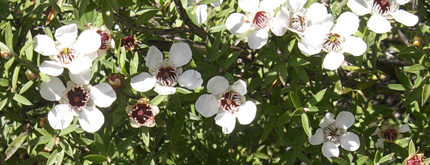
<point x="246" y="113"/>
<point x="309" y="49"/>
<point x="82" y="78"/>
<point x="227" y="121"/>
<point x="143" y="82"/>
<point x="379" y="24"/>
<point x="271" y="4"/>
<point x="240" y="87"/>
<point x="52" y="90"/>
<point x="249" y="5"/>
<point x="44" y="45"/>
<point x="347" y="24"/>
<point x="207" y="105"/>
<point x="278" y="25"/>
<point x="51" y="68"/>
<point x="66" y="34"/>
<point x="216" y="3"/>
<point x="102" y="95"/>
<point x="217" y="85"/>
<point x="317" y="138"/>
<point x="350" y="141"/>
<point x="377" y="130"/>
<point x="312" y="41"/>
<point x="354" y="45"/>
<point x="406" y="18"/>
<point x="60" y="116"/>
<point x="295" y="5"/>
<point x="333" y="60"/>
<point x="258" y="38"/>
<point x="345" y="119"/>
<point x="88" y="42"/>
<point x="359" y="7"/>
<point x="79" y="65"/>
<point x="327" y="120"/>
<point x="405" y="128"/>
<point x="180" y="54"/>
<point x="329" y="149"/>
<point x="402" y="2"/>
<point x="91" y="119"/>
<point x="316" y="13"/>
<point x="93" y="56"/>
<point x="379" y="143"/>
<point x="201" y="13"/>
<point x="190" y="79"/>
<point x="155" y="109"/>
<point x="164" y="90"/>
<point x="236" y="23"/>
<point x="154" y="57"/>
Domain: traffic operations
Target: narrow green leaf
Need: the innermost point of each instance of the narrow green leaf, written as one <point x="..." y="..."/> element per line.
<point x="295" y="99"/>
<point x="411" y="148"/>
<point x="4" y="82"/>
<point x="107" y="14"/>
<point x="268" y="128"/>
<point x="9" y="36"/>
<point x="396" y="87"/>
<point x="207" y="1"/>
<point x="158" y="99"/>
<point x="414" y="68"/>
<point x="44" y="132"/>
<point x="60" y="157"/>
<point x="134" y="63"/>
<point x="28" y="47"/>
<point x="53" y="158"/>
<point x="177" y="128"/>
<point x="9" y="63"/>
<point x="21" y="99"/>
<point x="145" y="135"/>
<point x="3" y="46"/>
<point x="386" y="158"/>
<point x="3" y="103"/>
<point x="100" y="144"/>
<point x="68" y="130"/>
<point x="16" y="143"/>
<point x="318" y="97"/>
<point x="364" y="160"/>
<point x="305" y="125"/>
<point x="425" y="94"/>
<point x="15" y="77"/>
<point x="25" y="87"/>
<point x="340" y="161"/>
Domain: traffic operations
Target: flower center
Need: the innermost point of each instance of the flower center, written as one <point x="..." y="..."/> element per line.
<point x="129" y="42"/>
<point x="382" y="6"/>
<point x="415" y="159"/>
<point x="105" y="40"/>
<point x="332" y="132"/>
<point x="390" y="134"/>
<point x="66" y="56"/>
<point x="142" y="113"/>
<point x="332" y="43"/>
<point x="78" y="97"/>
<point x="298" y="22"/>
<point x="230" y="101"/>
<point x="167" y="76"/>
<point x="261" y="20"/>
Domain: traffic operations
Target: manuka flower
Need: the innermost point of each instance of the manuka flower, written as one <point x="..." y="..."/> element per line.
<point x="67" y="52"/>
<point x="256" y="22"/>
<point x="142" y="114"/>
<point x="106" y="40"/>
<point x="389" y="133"/>
<point x="381" y="11"/>
<point x="333" y="133"/>
<point x="201" y="10"/>
<point x="165" y="74"/>
<point x="228" y="102"/>
<point x="335" y="42"/>
<point x="79" y="99"/>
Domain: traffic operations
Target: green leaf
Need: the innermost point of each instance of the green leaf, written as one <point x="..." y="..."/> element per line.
<point x="268" y="127"/>
<point x="3" y="103"/>
<point x="145" y="135"/>
<point x="53" y="158"/>
<point x="68" y="130"/>
<point x="96" y="158"/>
<point x="318" y="97"/>
<point x="21" y="99"/>
<point x="364" y="160"/>
<point x="295" y="99"/>
<point x="340" y="161"/>
<point x="25" y="87"/>
<point x="107" y="14"/>
<point x="15" y="77"/>
<point x="425" y="94"/>
<point x="60" y="157"/>
<point x="16" y="143"/>
<point x="414" y="68"/>
<point x="134" y="63"/>
<point x="411" y="148"/>
<point x="44" y="132"/>
<point x="158" y="99"/>
<point x="207" y="1"/>
<point x="27" y="48"/>
<point x="305" y="125"/>
<point x="177" y="128"/>
<point x="4" y="82"/>
<point x="9" y="36"/>
<point x="396" y="87"/>
<point x="100" y="144"/>
<point x="9" y="63"/>
<point x="386" y="158"/>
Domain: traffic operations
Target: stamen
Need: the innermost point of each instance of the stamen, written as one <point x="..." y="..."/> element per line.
<point x="66" y="56"/>
<point x="230" y="101"/>
<point x="332" y="132"/>
<point x="332" y="43"/>
<point x="167" y="76"/>
<point x="142" y="114"/>
<point x="105" y="40"/>
<point x="383" y="7"/>
<point x="390" y="134"/>
<point x="77" y="97"/>
<point x="261" y="20"/>
<point x="298" y="22"/>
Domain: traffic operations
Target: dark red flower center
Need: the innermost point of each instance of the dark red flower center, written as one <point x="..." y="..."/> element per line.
<point x="332" y="132"/>
<point x="78" y="97"/>
<point x="66" y="56"/>
<point x="381" y="6"/>
<point x="415" y="159"/>
<point x="129" y="42"/>
<point x="142" y="113"/>
<point x="105" y="39"/>
<point x="230" y="101"/>
<point x="261" y="20"/>
<point x="167" y="76"/>
<point x="390" y="134"/>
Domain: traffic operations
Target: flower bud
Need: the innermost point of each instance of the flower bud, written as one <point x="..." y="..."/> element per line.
<point x="129" y="42"/>
<point x="418" y="42"/>
<point x="5" y="54"/>
<point x="30" y="75"/>
<point x="115" y="80"/>
<point x="415" y="159"/>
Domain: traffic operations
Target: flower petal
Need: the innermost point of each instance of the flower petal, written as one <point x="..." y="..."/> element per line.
<point x="379" y="24"/>
<point x="143" y="82"/>
<point x="240" y="87"/>
<point x="295" y="5"/>
<point x="402" y="2"/>
<point x="79" y="65"/>
<point x="406" y="18"/>
<point x="207" y="105"/>
<point x="317" y="13"/>
<point x="52" y="90"/>
<point x="190" y="79"/>
<point x="82" y="78"/>
<point x="51" y="68"/>
<point x="227" y="121"/>
<point x="60" y="116"/>
<point x="164" y="90"/>
<point x="329" y="149"/>
<point x="350" y="141"/>
<point x="278" y="25"/>
<point x="180" y="54"/>
<point x="359" y="7"/>
<point x="91" y="119"/>
<point x="258" y="38"/>
<point x="249" y="5"/>
<point x="333" y="60"/>
<point x="217" y="85"/>
<point x="271" y="4"/>
<point x="216" y="3"/>
<point x="88" y="42"/>
<point x="347" y="24"/>
<point x="66" y="34"/>
<point x="44" y="45"/>
<point x="317" y="138"/>
<point x="237" y="23"/>
<point x="154" y="57"/>
<point x="102" y="95"/>
<point x="405" y="128"/>
<point x="354" y="45"/>
<point x="379" y="143"/>
<point x="201" y="13"/>
<point x="327" y="120"/>
<point x="246" y="113"/>
<point x="345" y="119"/>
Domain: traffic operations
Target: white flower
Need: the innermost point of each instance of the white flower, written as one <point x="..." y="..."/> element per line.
<point x="389" y="133"/>
<point x="105" y="40"/>
<point x="142" y="114"/>
<point x="335" y="42"/>
<point x="165" y="74"/>
<point x="67" y="52"/>
<point x="228" y="102"/>
<point x="257" y="21"/>
<point x="77" y="99"/>
<point x="298" y="19"/>
<point x="381" y="11"/>
<point x="201" y="10"/>
<point x="333" y="133"/>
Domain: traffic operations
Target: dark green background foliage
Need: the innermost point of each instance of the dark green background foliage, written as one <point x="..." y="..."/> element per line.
<point x="292" y="91"/>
